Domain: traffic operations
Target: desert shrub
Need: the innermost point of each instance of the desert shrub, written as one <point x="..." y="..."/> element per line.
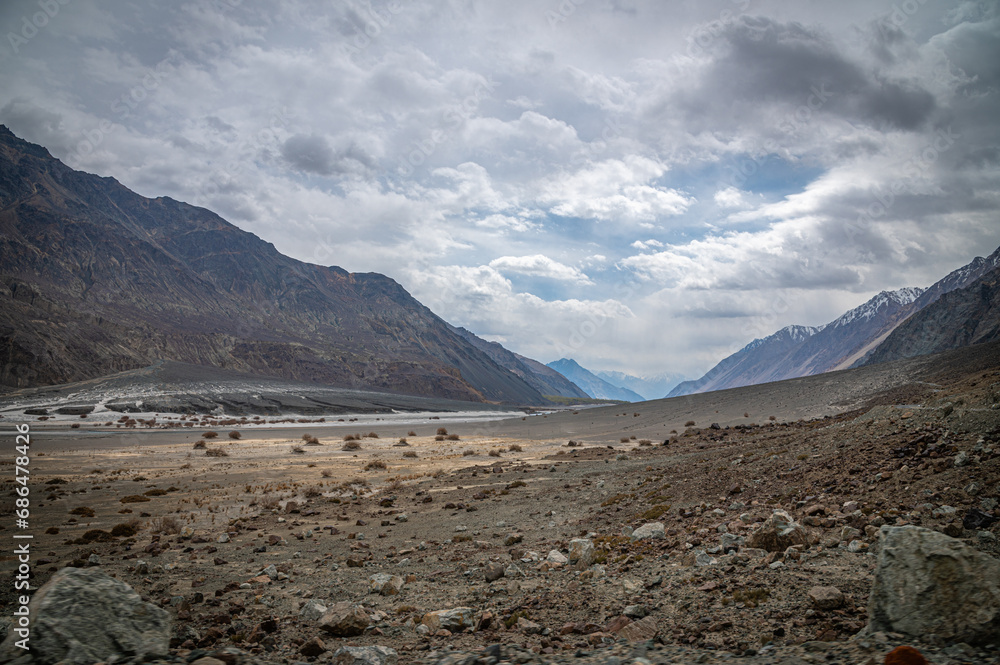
<point x="124" y="530"/>
<point x="515" y="448"/>
<point x="349" y="437"/>
<point x="656" y="512"/>
<point x="83" y="511"/>
<point x="313" y="492"/>
<point x="410" y="453"/>
<point x="52" y="530"/>
<point x="375" y="464"/>
<point x="210" y="435"/>
<point x="97" y="536"/>
<point x="452" y="437"/>
<point x="441" y="431"/>
<point x="199" y="444"/>
<point x="645" y="442"/>
<point x="468" y="452"/>
<point x="56" y="481"/>
<point x="372" y="435"/>
<point x="624" y="439"/>
<point x="494" y="453"/>
<point x="439" y="437"/>
<point x="572" y="443"/>
<point x="310" y="440"/>
<point x="689" y="423"/>
<point x="403" y="442"/>
<point x="326" y="473"/>
<point x="411" y="433"/>
<point x="216" y="452"/>
<point x="134" y="498"/>
<point x="75" y="426"/>
<point x="165" y="525"/>
<point x="516" y="484"/>
<point x="746" y="414"/>
<point x="351" y="444"/>
<point x="298" y="450"/>
<point x="772" y="418"/>
<point x="155" y="492"/>
<point x="235" y="435"/>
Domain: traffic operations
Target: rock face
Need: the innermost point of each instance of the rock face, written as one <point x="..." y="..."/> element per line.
<point x="778" y="533"/>
<point x="84" y="616"/>
<point x="929" y="584"/>
<point x="192" y="287"/>
<point x="345" y="620"/>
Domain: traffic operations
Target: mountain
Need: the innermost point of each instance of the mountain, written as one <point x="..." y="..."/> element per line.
<point x="97" y="279"/>
<point x="594" y="386"/>
<point x="546" y="381"/>
<point x="848" y="341"/>
<point x="652" y="387"/>
<point x="754" y="363"/>
<point x="962" y="317"/>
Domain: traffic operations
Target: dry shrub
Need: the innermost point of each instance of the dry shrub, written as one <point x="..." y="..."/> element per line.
<point x="166" y="525"/>
<point x="468" y="452"/>
<point x="410" y="453"/>
<point x="310" y="440"/>
<point x="689" y="423"/>
<point x="298" y="450"/>
<point x="495" y="452"/>
<point x="516" y="448"/>
<point x="235" y="435"/>
<point x="326" y="473"/>
<point x="349" y="437"/>
<point x="134" y="498"/>
<point x="572" y="443"/>
<point x="83" y="511"/>
<point x="199" y="444"/>
<point x="439" y="437"/>
<point x="645" y="442"/>
<point x="452" y="437"/>
<point x="375" y="464"/>
<point x="216" y="452"/>
<point x="125" y="529"/>
<point x="624" y="439"/>
<point x="411" y="433"/>
<point x="351" y="444"/>
<point x="155" y="492"/>
<point x="441" y="431"/>
<point x="372" y="435"/>
<point x="210" y="435"/>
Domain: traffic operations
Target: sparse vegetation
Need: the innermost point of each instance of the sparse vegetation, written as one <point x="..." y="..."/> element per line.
<point x="298" y="450"/>
<point x="468" y="452"/>
<point x="134" y="498"/>
<point x="515" y="448"/>
<point x="375" y="464"/>
<point x="216" y="452"/>
<point x="350" y="444"/>
<point x="310" y="440"/>
<point x="624" y="439"/>
<point x="210" y="435"/>
<point x="83" y="511"/>
<point x="441" y="431"/>
<point x="452" y="437"/>
<point x="439" y="437"/>
<point x="411" y="433"/>
<point x="689" y="423"/>
<point x="410" y="453"/>
<point x="200" y="444"/>
<point x="125" y="530"/>
<point x="645" y="442"/>
<point x="235" y="435"/>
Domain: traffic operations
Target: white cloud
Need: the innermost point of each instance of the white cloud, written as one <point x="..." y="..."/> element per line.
<point x="539" y="265"/>
<point x="731" y="197"/>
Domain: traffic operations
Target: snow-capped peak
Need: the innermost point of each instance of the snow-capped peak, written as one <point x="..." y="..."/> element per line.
<point x="877" y="304"/>
<point x="793" y="333"/>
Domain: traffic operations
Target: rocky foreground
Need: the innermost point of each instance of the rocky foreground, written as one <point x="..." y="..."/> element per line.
<point x="831" y="540"/>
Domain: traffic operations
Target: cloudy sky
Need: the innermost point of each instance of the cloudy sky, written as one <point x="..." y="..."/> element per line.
<point x="641" y="185"/>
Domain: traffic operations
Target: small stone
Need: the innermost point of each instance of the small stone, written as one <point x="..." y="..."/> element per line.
<point x="402" y="518"/>
<point x="313" y="610"/>
<point x="555" y="556"/>
<point x="528" y="627"/>
<point x="345" y="620"/>
<point x="94" y="560"/>
<point x="455" y="620"/>
<point x="635" y="611"/>
<point x="385" y="584"/>
<point x="778" y="533"/>
<point x="493" y="572"/>
<point x="826" y="597"/>
<point x="313" y="648"/>
<point x="961" y="459"/>
<point x="512" y="539"/>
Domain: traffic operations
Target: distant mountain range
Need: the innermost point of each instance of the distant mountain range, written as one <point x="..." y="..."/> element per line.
<point x="594" y="385"/>
<point x="95" y="279"/>
<point x="881" y="329"/>
<point x="651" y="387"/>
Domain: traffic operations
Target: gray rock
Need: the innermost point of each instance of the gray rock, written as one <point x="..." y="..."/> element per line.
<point x="927" y="584"/>
<point x="778" y="533"/>
<point x="962" y="459"/>
<point x="730" y="542"/>
<point x="555" y="556"/>
<point x="377" y="655"/>
<point x="385" y="584"/>
<point x="649" y="530"/>
<point x="313" y="610"/>
<point x="83" y="616"/>
<point x="635" y="611"/>
<point x="455" y="620"/>
<point x="826" y="597"/>
<point x="581" y="553"/>
<point x="94" y="560"/>
<point x="493" y="572"/>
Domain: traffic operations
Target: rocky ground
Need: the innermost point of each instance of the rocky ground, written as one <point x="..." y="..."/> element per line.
<point x="545" y="546"/>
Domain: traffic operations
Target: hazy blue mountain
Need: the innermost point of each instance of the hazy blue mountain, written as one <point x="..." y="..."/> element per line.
<point x="594" y="385"/>
<point x="650" y="387"/>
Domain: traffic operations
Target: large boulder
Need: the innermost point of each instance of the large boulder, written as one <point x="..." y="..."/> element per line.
<point x="927" y="584"/>
<point x="778" y="533"/>
<point x="83" y="616"/>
